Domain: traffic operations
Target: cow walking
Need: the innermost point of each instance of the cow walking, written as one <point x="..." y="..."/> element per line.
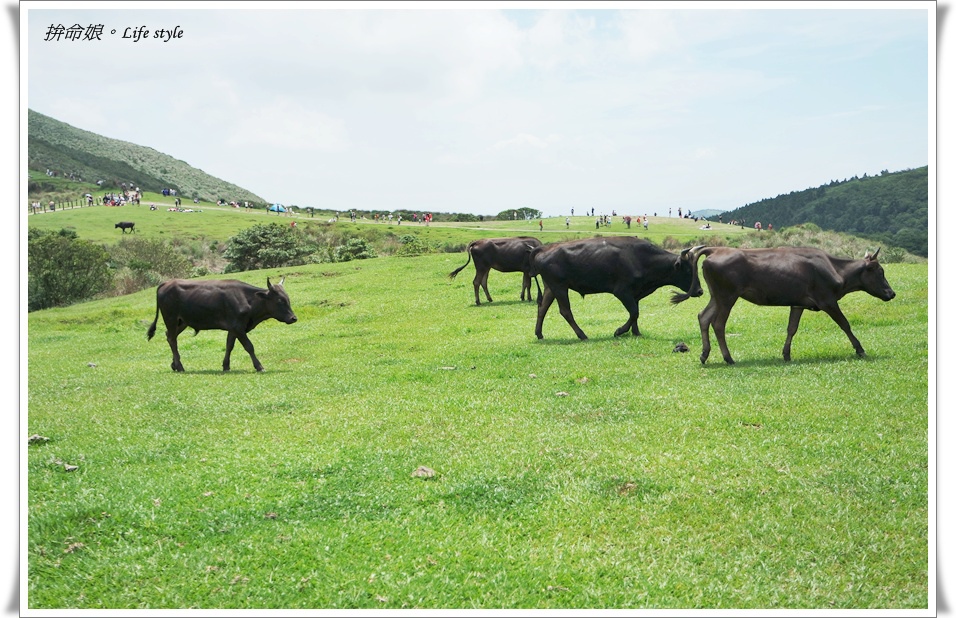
<point x="125" y="225"/>
<point x="797" y="277"/>
<point x="230" y="305"/>
<point x="507" y="255"/>
<point x="630" y="268"/>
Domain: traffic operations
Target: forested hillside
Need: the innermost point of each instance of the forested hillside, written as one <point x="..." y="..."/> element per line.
<point x="892" y="208"/>
<point x="74" y="153"/>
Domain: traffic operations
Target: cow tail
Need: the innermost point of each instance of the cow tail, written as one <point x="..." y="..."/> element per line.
<point x="455" y="272"/>
<point x="695" y="287"/>
<point x="152" y="327"/>
<point x="532" y="271"/>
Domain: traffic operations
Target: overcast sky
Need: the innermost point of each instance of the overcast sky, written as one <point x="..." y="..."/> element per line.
<point x="452" y="110"/>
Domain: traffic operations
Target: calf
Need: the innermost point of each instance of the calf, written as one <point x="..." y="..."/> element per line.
<point x="125" y="225"/>
<point x="507" y="255"/>
<point x="230" y="305"/>
<point x="797" y="277"/>
<point x="628" y="267"/>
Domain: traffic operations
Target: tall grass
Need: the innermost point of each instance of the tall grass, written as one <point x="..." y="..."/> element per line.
<point x="610" y="473"/>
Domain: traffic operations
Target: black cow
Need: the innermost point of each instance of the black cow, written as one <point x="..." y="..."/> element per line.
<point x="507" y="255"/>
<point x="230" y="305"/>
<point x="125" y="225"/>
<point x="797" y="277"/>
<point x="628" y="267"/>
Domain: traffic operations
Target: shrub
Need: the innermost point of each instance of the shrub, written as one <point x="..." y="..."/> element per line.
<point x="265" y="246"/>
<point x="63" y="269"/>
<point x="411" y="245"/>
<point x="353" y="249"/>
<point x="143" y="263"/>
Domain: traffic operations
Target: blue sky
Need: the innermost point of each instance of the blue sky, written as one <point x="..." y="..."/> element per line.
<point x="491" y="108"/>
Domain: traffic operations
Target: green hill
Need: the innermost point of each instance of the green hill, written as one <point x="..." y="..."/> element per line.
<point x="892" y="208"/>
<point x="77" y="154"/>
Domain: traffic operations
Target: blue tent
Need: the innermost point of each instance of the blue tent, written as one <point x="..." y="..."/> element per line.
<point x="277" y="208"/>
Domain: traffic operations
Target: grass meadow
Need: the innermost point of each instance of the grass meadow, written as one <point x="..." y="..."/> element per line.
<point x="608" y="473"/>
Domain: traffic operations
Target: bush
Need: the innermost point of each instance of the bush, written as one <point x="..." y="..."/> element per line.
<point x="411" y="245"/>
<point x="63" y="269"/>
<point x="143" y="263"/>
<point x="265" y="246"/>
<point x="353" y="249"/>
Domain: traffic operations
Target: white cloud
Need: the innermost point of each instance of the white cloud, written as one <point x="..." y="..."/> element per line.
<point x="287" y="124"/>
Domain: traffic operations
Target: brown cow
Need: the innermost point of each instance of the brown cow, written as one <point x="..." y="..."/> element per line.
<point x="630" y="268"/>
<point x="507" y="255"/>
<point x="229" y="305"/>
<point x="797" y="277"/>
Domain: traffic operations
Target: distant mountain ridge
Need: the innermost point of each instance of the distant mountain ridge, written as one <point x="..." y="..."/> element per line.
<point x="892" y="208"/>
<point x="72" y="152"/>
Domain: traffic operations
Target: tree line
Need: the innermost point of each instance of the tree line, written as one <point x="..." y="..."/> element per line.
<point x="892" y="208"/>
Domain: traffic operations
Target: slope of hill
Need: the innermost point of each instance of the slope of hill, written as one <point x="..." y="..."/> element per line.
<point x="892" y="208"/>
<point x="72" y="152"/>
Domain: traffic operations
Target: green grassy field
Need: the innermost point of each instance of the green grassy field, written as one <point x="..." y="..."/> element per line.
<point x="610" y="473"/>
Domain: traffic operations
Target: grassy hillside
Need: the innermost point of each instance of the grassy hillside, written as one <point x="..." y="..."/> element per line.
<point x="74" y="153"/>
<point x="891" y="208"/>
<point x="611" y="473"/>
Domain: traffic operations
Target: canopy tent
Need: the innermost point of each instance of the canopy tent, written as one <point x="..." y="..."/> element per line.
<point x="277" y="208"/>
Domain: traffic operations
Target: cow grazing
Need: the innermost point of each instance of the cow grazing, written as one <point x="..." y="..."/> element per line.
<point x="507" y="255"/>
<point x="797" y="277"/>
<point x="125" y="225"/>
<point x="628" y="267"/>
<point x="232" y="306"/>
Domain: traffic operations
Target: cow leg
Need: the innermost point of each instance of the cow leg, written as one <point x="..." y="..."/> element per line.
<point x="230" y="343"/>
<point x="719" y="325"/>
<point x="564" y="305"/>
<point x="630" y="303"/>
<point x="546" y="299"/>
<point x="172" y="335"/>
<point x="838" y="317"/>
<point x="706" y="318"/>
<point x="795" y="314"/>
<point x="484" y="284"/>
<point x="525" y="285"/>
<point x="244" y="340"/>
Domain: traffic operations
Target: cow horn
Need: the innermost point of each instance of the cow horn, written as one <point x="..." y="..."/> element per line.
<point x="873" y="257"/>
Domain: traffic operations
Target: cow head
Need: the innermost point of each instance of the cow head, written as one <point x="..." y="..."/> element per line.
<point x="277" y="302"/>
<point x="873" y="280"/>
<point x="687" y="279"/>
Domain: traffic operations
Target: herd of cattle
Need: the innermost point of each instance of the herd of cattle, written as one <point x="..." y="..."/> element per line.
<point x="630" y="268"/>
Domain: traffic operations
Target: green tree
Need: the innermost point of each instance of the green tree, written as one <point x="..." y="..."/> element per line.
<point x="62" y="269"/>
<point x="265" y="246"/>
<point x="524" y="213"/>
